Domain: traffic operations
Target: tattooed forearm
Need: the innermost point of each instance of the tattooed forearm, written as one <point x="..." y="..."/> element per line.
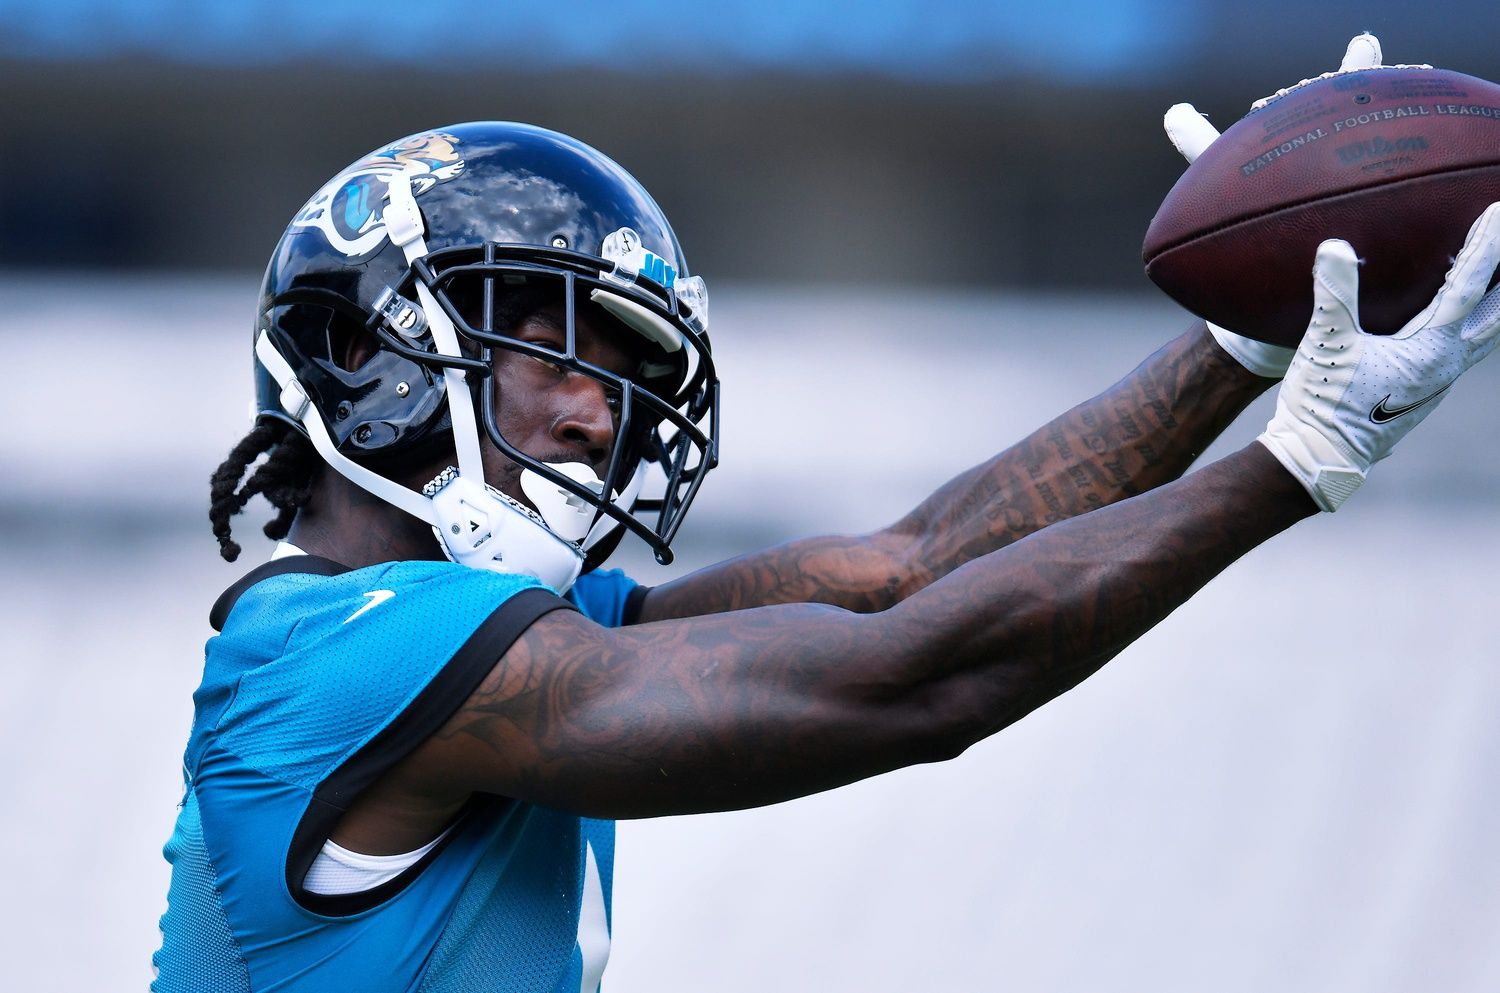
<point x="756" y="706"/>
<point x="1143" y="432"/>
<point x="1074" y="595"/>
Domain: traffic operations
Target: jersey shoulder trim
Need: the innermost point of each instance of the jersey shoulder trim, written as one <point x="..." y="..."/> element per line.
<point x="427" y="713"/>
<point x="312" y="565"/>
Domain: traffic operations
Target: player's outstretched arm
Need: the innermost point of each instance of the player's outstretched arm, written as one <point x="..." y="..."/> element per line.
<point x="757" y="706"/>
<point x="1142" y="432"/>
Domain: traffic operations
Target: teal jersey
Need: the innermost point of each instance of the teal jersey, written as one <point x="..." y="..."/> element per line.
<point x="320" y="680"/>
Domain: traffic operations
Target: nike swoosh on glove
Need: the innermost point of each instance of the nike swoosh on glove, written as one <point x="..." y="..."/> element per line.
<point x="1349" y="397"/>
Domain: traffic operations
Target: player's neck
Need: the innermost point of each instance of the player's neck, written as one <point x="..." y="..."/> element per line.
<point x="344" y="523"/>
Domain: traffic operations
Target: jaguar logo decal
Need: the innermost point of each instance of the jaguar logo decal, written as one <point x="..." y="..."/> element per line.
<point x="349" y="209"/>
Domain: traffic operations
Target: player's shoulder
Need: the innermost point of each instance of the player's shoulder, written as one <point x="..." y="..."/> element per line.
<point x="310" y="597"/>
<point x="322" y="657"/>
<point x="607" y="597"/>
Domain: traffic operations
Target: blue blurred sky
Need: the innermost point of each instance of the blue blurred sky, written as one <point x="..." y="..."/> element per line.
<point x="911" y="115"/>
<point x="938" y="39"/>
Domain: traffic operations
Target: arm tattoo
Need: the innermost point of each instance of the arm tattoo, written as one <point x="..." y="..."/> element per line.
<point x="756" y="706"/>
<point x="1143" y="432"/>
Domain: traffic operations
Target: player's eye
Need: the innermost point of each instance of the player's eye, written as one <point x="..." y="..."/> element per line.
<point x="555" y="367"/>
<point x="551" y="364"/>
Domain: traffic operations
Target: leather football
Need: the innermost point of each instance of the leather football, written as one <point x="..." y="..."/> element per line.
<point x="1398" y="161"/>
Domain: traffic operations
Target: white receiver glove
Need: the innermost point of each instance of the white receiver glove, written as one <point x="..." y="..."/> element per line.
<point x="1350" y="396"/>
<point x="1363" y="53"/>
<point x="1190" y="133"/>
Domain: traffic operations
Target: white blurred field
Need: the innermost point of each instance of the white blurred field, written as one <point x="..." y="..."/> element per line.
<point x="1290" y="785"/>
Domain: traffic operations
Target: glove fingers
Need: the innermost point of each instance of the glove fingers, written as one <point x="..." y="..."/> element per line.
<point x="1188" y="130"/>
<point x="1466" y="280"/>
<point x="1363" y="53"/>
<point x="1483" y="325"/>
<point x="1335" y="288"/>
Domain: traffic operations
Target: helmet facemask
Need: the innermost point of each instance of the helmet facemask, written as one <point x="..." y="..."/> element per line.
<point x="664" y="405"/>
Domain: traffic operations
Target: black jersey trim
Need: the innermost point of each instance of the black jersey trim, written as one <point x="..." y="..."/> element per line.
<point x="311" y="564"/>
<point x="634" y="600"/>
<point x="432" y="708"/>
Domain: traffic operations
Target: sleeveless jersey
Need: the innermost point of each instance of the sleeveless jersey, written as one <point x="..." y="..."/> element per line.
<point x="320" y="680"/>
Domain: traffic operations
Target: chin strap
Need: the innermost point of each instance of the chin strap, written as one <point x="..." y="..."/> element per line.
<point x="481" y="527"/>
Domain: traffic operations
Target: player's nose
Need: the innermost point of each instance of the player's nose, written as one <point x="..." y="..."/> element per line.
<point x="585" y="419"/>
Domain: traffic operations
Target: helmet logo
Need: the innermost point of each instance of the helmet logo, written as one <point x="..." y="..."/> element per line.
<point x="349" y="209"/>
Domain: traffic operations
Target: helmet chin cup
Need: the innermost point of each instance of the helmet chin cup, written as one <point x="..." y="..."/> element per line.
<point x="567" y="514"/>
<point x="482" y="528"/>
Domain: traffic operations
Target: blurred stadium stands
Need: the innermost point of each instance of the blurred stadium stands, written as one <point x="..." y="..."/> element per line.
<point x="958" y="143"/>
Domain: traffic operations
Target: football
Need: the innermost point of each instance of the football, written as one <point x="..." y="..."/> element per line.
<point x="1398" y="161"/>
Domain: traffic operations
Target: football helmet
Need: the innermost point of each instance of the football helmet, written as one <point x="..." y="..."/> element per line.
<point x="430" y="250"/>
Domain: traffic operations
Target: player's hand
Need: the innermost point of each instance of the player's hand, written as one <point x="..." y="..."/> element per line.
<point x="1190" y="133"/>
<point x="1350" y="396"/>
<point x="1363" y="53"/>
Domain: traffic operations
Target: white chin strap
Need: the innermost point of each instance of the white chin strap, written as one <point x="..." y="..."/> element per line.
<point x="476" y="524"/>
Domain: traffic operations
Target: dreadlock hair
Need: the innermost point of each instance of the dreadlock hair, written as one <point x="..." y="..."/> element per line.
<point x="285" y="479"/>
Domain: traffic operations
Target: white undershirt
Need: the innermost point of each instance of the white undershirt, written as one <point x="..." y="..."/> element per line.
<point x="337" y="870"/>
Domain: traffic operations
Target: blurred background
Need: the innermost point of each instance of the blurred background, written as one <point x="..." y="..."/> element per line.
<point x="921" y="225"/>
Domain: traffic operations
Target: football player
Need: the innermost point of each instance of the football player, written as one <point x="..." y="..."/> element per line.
<point x="481" y="360"/>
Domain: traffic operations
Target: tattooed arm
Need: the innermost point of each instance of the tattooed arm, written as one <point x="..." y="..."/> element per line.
<point x="756" y="706"/>
<point x="1142" y="432"/>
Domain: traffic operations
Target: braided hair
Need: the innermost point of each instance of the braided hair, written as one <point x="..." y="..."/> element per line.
<point x="285" y="479"/>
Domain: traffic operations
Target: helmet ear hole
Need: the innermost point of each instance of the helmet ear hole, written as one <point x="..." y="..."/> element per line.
<point x="349" y="345"/>
<point x="345" y="342"/>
